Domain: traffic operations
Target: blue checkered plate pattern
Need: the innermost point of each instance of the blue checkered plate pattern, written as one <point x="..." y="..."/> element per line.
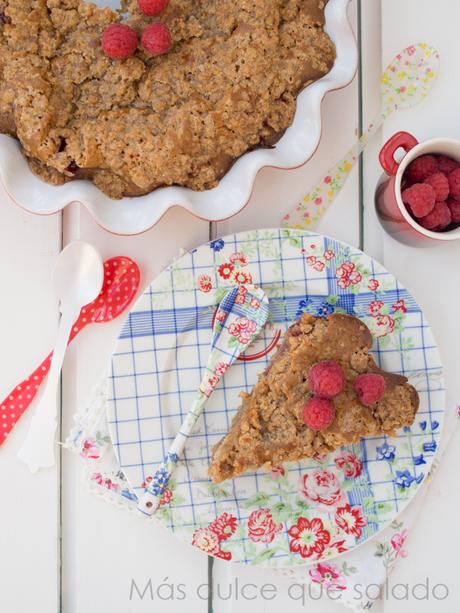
<point x="300" y="512"/>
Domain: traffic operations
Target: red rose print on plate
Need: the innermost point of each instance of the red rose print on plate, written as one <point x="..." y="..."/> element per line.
<point x="399" y="305"/>
<point x="225" y="270"/>
<point x="261" y="527"/>
<point x="308" y="537"/>
<point x="241" y="277"/>
<point x="373" y="285"/>
<point x="375" y="307"/>
<point x="355" y="277"/>
<point x="209" y="539"/>
<point x="348" y="275"/>
<point x="224" y="526"/>
<point x="321" y="487"/>
<point x="278" y="471"/>
<point x="350" y="519"/>
<point x="206" y="540"/>
<point x="239" y="258"/>
<point x="382" y="325"/>
<point x="205" y="283"/>
<point x="349" y="464"/>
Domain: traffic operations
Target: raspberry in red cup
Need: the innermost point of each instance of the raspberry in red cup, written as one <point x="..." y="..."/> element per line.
<point x="454" y="207"/>
<point x="454" y="183"/>
<point x="440" y="183"/>
<point x="420" y="198"/>
<point x="447" y="164"/>
<point x="433" y="201"/>
<point x="439" y="218"/>
<point x="421" y="168"/>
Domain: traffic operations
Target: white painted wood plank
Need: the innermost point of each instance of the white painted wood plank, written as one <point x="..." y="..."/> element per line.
<point x="105" y="547"/>
<point x="432" y="276"/>
<point x="371" y="58"/>
<point x="29" y="514"/>
<point x="276" y="192"/>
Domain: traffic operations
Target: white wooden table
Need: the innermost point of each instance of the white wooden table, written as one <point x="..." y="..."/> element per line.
<point x="62" y="549"/>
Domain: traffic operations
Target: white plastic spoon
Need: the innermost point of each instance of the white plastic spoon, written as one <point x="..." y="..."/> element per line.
<point x="405" y="83"/>
<point x="78" y="277"/>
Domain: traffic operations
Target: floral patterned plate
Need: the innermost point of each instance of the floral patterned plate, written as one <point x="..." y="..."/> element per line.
<point x="299" y="512"/>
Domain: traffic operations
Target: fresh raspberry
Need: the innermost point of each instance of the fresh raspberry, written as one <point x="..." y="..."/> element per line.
<point x="156" y="38"/>
<point x="318" y="413"/>
<point x="119" y="41"/>
<point x="454" y="183"/>
<point x="152" y="7"/>
<point x="438" y="219"/>
<point x="421" y="168"/>
<point x="454" y="206"/>
<point x="447" y="164"/>
<point x="420" y="198"/>
<point x="370" y="388"/>
<point x="440" y="183"/>
<point x="326" y="379"/>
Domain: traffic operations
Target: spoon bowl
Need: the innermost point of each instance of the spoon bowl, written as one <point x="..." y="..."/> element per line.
<point x="408" y="78"/>
<point x="120" y="285"/>
<point x="78" y="274"/>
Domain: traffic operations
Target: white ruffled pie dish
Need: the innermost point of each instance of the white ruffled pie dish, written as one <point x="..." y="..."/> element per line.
<point x="135" y="215"/>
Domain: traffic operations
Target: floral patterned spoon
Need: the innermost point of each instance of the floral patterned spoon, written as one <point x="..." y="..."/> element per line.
<point x="241" y="316"/>
<point x="405" y="82"/>
<point x="120" y="285"/>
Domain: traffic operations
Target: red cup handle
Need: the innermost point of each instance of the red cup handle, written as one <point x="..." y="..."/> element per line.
<point x="387" y="153"/>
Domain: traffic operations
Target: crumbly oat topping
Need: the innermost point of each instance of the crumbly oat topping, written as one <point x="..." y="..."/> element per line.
<point x="229" y="84"/>
<point x="269" y="428"/>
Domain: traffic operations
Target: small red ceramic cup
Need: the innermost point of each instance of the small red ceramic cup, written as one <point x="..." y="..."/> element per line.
<point x="391" y="210"/>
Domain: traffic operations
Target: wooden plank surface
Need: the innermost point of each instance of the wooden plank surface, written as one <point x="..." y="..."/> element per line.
<point x="433" y="278"/>
<point x="105" y="548"/>
<point x="29" y="513"/>
<point x="275" y="194"/>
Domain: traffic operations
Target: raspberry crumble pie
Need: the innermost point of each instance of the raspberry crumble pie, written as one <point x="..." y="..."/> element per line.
<point x="321" y="391"/>
<point x="227" y="84"/>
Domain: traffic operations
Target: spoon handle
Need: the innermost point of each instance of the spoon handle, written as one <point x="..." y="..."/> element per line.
<point x="150" y="500"/>
<point x="37" y="450"/>
<point x="21" y="397"/>
<point x="309" y="211"/>
<point x="240" y="318"/>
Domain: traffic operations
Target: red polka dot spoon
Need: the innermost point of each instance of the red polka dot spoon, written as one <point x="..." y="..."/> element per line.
<point x="121" y="282"/>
